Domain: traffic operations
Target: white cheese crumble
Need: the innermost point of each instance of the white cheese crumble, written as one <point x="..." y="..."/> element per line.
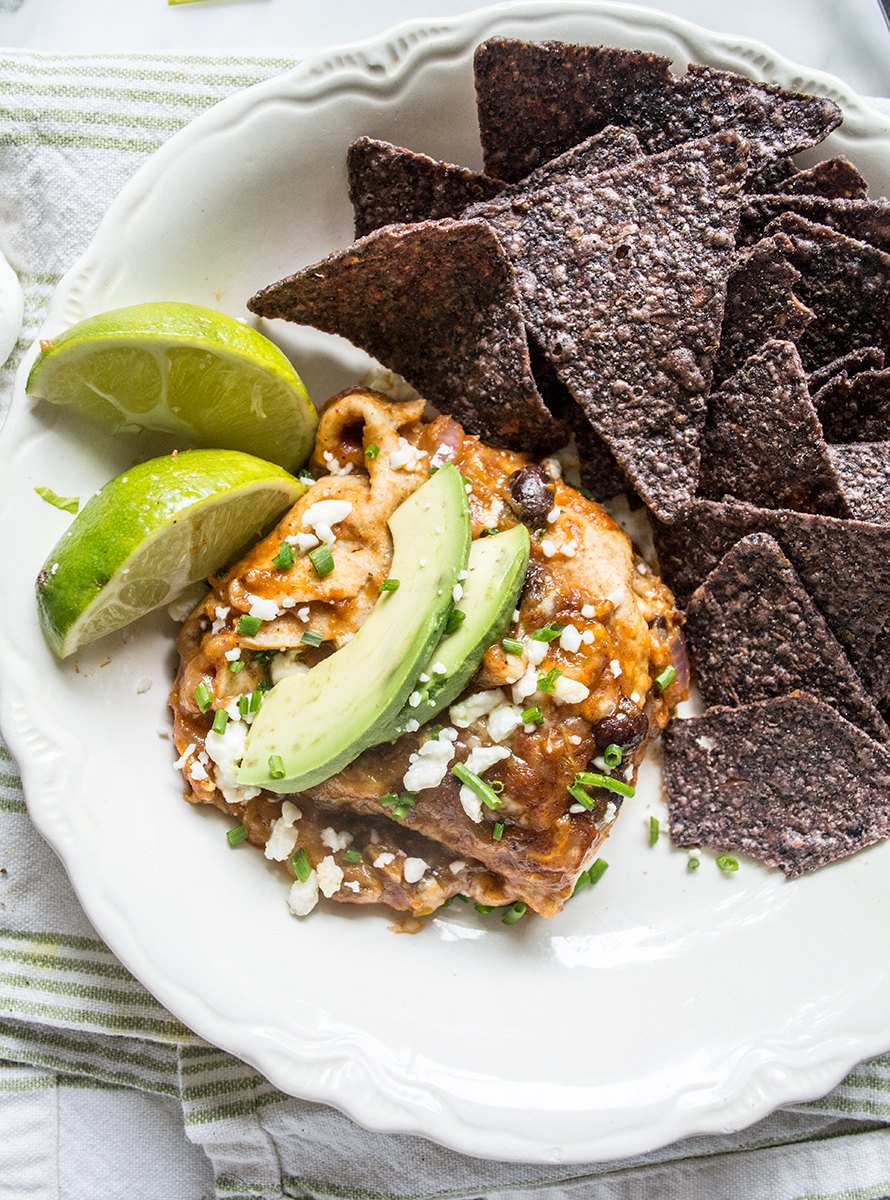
<point x="334" y="840"/>
<point x="406" y="457"/>
<point x="642" y="568"/>
<point x="610" y="814"/>
<point x="266" y="610"/>
<point x="548" y="548"/>
<point x="227" y="749"/>
<point x="233" y="655"/>
<point x="526" y="685"/>
<point x="553" y="467"/>
<point x="353" y="885"/>
<point x="323" y="515"/>
<point x="457" y="866"/>
<point x="334" y="467"/>
<point x="411" y="726"/>
<point x="588" y="612"/>
<point x="330" y="876"/>
<point x="553" y="515"/>
<point x="570" y="639"/>
<point x="197" y="772"/>
<point x="616" y="597"/>
<point x="442" y="455"/>
<point x="570" y="549"/>
<point x="570" y="691"/>
<point x="414" y="869"/>
<point x="577" y="808"/>
<point x="457" y="593"/>
<point x="574" y="739"/>
<point x="615" y="667"/>
<point x="480" y="704"/>
<point x="480" y="759"/>
<point x="414" y="699"/>
<point x="429" y="765"/>
<point x="303" y="541"/>
<point x="439" y="668"/>
<point x="303" y="613"/>
<point x="535" y="651"/>
<point x="503" y="720"/>
<point x="184" y="757"/>
<point x="283" y="836"/>
<point x="221" y="611"/>
<point x="635" y="696"/>
<point x="383" y="859"/>
<point x="587" y="637"/>
<point x="287" y="662"/>
<point x="303" y="896"/>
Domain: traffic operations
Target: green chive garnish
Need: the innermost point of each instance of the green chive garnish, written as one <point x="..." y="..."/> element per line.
<point x="533" y="716"/>
<point x="264" y="656"/>
<point x="612" y="755"/>
<point x="276" y="766"/>
<point x="456" y="618"/>
<point x="577" y="792"/>
<point x="203" y="696"/>
<point x="236" y="666"/>
<point x="497" y="785"/>
<point x="65" y="503"/>
<point x="514" y="913"/>
<point x="388" y="799"/>
<point x="653" y="830"/>
<point x="399" y="805"/>
<point x="548" y="633"/>
<point x="592" y="779"/>
<point x="220" y="721"/>
<point x="486" y="794"/>
<point x="511" y="646"/>
<point x="497" y="831"/>
<point x="322" y="559"/>
<point x="352" y="856"/>
<point x="305" y="476"/>
<point x="301" y="866"/>
<point x="546" y="683"/>
<point x="666" y="678"/>
<point x="249" y="625"/>
<point x="372" y="451"/>
<point x="243" y="704"/>
<point x="285" y="557"/>
<point x="484" y="908"/>
<point x="727" y="863"/>
<point x="586" y="493"/>
<point x="237" y="835"/>
<point x="597" y="871"/>
<point x="693" y="863"/>
<point x="311" y="638"/>
<point x="256" y="699"/>
<point x="389" y="585"/>
<point x="490" y="531"/>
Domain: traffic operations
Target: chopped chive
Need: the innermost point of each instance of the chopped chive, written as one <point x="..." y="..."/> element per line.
<point x="515" y="913"/>
<point x="727" y="863"/>
<point x="455" y="619"/>
<point x="65" y="503"/>
<point x="497" y="831"/>
<point x="301" y="866"/>
<point x="203" y="696"/>
<point x="693" y="863"/>
<point x="497" y="785"/>
<point x="249" y="625"/>
<point x="256" y="700"/>
<point x="548" y="633"/>
<point x="490" y="531"/>
<point x="236" y="835"/>
<point x="389" y="585"/>
<point x="546" y="683"/>
<point x="586" y="493"/>
<point x="220" y="721"/>
<point x="666" y="678"/>
<point x="236" y="666"/>
<point x="577" y="792"/>
<point x="486" y="794"/>
<point x="654" y="830"/>
<point x="485" y="908"/>
<point x="399" y="805"/>
<point x="243" y="704"/>
<point x="434" y="731"/>
<point x="533" y="716"/>
<point x="276" y="766"/>
<point x="511" y="646"/>
<point x="612" y="755"/>
<point x="388" y="799"/>
<point x="432" y="471"/>
<point x="322" y="559"/>
<point x="597" y="871"/>
<point x="592" y="779"/>
<point x="352" y="856"/>
<point x="264" y="656"/>
<point x="265" y="685"/>
<point x="305" y="476"/>
<point x="311" y="638"/>
<point x="285" y="557"/>
<point x="372" y="451"/>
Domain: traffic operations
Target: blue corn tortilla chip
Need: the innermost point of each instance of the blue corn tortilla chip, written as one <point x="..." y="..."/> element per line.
<point x="437" y="303"/>
<point x="863" y="470"/>
<point x="835" y="178"/>
<point x="755" y="632"/>
<point x="389" y="185"/>
<point x="760" y="305"/>
<point x="536" y="99"/>
<point x="787" y="781"/>
<point x="863" y="220"/>
<point x="622" y="280"/>
<point x="843" y="564"/>
<point x="763" y="442"/>
<point x="867" y="358"/>
<point x="855" y="408"/>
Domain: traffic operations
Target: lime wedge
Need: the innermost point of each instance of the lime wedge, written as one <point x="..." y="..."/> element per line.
<point x="189" y="371"/>
<point x="151" y="532"/>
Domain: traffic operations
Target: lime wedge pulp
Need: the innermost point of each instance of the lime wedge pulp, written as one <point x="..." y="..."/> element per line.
<point x="149" y="533"/>
<point x="195" y="373"/>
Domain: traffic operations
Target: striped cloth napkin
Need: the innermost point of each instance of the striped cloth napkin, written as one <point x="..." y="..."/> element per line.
<point x="103" y="1092"/>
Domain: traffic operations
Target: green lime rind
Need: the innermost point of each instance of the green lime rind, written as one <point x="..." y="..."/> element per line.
<point x="149" y="533"/>
<point x="200" y="375"/>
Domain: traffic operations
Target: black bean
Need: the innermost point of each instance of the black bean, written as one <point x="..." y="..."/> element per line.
<point x="625" y="728"/>
<point x="531" y="495"/>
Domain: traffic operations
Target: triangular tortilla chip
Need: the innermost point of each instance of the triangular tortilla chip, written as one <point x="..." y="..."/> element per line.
<point x="867" y="358"/>
<point x="864" y="220"/>
<point x="835" y="178"/>
<point x="855" y="408"/>
<point x="622" y="280"/>
<point x="787" y="780"/>
<point x="763" y="442"/>
<point x="863" y="469"/>
<point x="436" y="302"/>
<point x="755" y="632"/>
<point x="389" y="185"/>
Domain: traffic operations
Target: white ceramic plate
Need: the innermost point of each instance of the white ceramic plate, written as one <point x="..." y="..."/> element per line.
<point x="658" y="1005"/>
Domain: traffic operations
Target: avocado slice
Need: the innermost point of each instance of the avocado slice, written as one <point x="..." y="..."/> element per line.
<point x="319" y="722"/>
<point x="495" y="574"/>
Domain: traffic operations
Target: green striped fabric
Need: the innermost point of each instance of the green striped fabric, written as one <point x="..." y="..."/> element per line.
<point x="72" y="130"/>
